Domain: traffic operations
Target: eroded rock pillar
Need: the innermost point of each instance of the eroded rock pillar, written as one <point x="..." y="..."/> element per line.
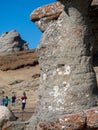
<point x="68" y="81"/>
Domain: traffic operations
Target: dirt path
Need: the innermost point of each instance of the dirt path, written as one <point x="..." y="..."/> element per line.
<point x="23" y="116"/>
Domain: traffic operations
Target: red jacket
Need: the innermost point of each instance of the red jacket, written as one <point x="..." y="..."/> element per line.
<point x="23" y="99"/>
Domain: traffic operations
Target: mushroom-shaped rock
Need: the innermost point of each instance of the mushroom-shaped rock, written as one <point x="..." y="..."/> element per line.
<point x="68" y="81"/>
<point x="46" y="15"/>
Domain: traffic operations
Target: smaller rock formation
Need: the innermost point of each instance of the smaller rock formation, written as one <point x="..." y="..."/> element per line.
<point x="6" y="115"/>
<point x="11" y="42"/>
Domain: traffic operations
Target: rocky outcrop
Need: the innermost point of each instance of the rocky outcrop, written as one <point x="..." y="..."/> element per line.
<point x="11" y="42"/>
<point x="46" y="15"/>
<point x="68" y="88"/>
<point x="65" y="57"/>
<point x="6" y="115"/>
<point x="93" y="13"/>
<point x="85" y="120"/>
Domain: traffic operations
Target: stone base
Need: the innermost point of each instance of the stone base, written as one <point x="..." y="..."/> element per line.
<point x="85" y="120"/>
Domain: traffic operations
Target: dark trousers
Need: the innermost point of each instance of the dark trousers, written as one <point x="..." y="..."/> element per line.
<point x="23" y="105"/>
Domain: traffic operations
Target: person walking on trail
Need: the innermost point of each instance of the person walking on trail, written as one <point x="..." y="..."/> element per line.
<point x="13" y="100"/>
<point x="2" y="100"/>
<point x="6" y="101"/>
<point x="24" y="97"/>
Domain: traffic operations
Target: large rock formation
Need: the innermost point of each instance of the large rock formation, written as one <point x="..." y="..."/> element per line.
<point x="11" y="42"/>
<point x="45" y="16"/>
<point x="68" y="81"/>
<point x="68" y="88"/>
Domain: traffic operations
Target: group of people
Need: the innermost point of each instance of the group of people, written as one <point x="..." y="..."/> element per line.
<point x="5" y="100"/>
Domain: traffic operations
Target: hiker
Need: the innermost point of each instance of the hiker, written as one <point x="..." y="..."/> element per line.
<point x="24" y="97"/>
<point x="6" y="101"/>
<point x="13" y="100"/>
<point x="2" y="100"/>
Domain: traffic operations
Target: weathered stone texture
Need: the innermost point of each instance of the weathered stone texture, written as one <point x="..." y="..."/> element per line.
<point x="46" y="15"/>
<point x="94" y="19"/>
<point x="68" y="87"/>
<point x="85" y="120"/>
<point x="6" y="114"/>
<point x="48" y="12"/>
<point x="13" y="126"/>
<point x="92" y="118"/>
<point x="68" y="82"/>
<point x="66" y="64"/>
<point x="11" y="42"/>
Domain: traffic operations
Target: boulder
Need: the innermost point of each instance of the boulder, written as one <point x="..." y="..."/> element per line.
<point x="6" y="114"/>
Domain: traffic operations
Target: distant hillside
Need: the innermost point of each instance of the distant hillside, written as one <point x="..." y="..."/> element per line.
<point x="18" y="60"/>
